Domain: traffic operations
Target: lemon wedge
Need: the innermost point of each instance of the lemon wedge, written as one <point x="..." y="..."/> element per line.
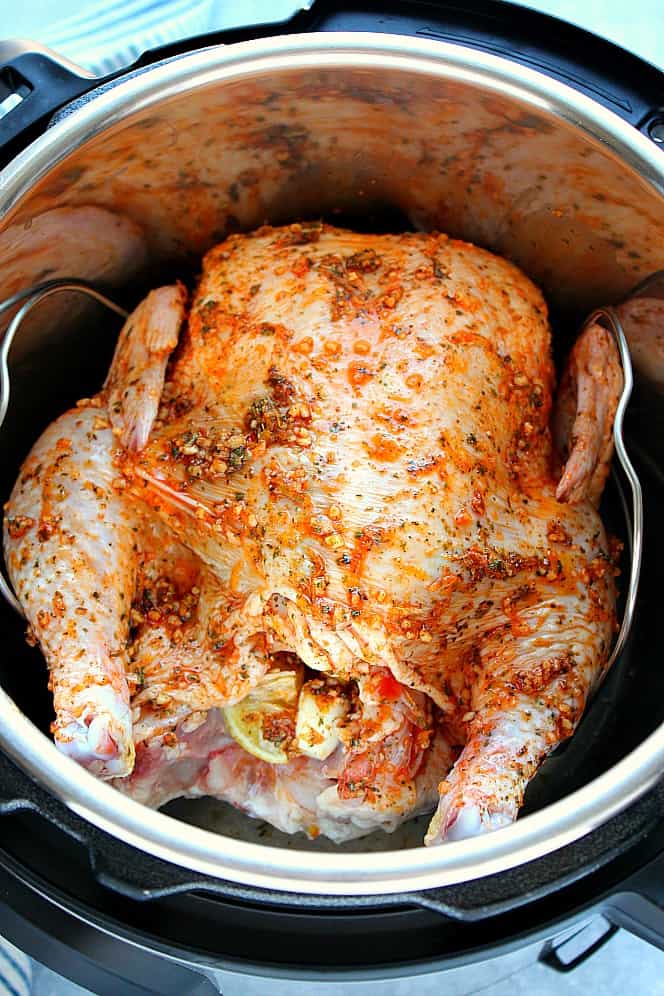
<point x="263" y="723"/>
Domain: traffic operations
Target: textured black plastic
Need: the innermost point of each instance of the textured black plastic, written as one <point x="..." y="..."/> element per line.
<point x="104" y="964"/>
<point x="551" y="957"/>
<point x="51" y="83"/>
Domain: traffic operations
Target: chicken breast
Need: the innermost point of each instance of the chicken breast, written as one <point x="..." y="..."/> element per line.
<point x="346" y="474"/>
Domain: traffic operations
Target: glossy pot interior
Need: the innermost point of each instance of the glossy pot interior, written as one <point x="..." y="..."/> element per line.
<point x="375" y="132"/>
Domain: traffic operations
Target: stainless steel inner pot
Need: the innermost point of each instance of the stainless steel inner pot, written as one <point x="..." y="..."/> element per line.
<point x="349" y="126"/>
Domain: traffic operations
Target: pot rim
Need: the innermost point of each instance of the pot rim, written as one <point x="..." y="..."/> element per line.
<point x="203" y="851"/>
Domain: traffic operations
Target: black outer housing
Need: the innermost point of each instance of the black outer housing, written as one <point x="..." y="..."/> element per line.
<point x="49" y="855"/>
<point x="66" y="885"/>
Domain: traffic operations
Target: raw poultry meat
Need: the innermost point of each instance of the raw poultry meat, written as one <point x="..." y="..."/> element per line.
<point x="343" y="479"/>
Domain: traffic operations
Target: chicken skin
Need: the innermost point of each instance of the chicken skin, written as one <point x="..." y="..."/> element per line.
<point x="348" y="476"/>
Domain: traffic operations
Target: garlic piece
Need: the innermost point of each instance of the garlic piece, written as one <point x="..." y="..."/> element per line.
<point x="320" y="709"/>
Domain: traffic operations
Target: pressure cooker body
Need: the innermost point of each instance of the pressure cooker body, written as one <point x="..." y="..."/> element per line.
<point x="376" y="129"/>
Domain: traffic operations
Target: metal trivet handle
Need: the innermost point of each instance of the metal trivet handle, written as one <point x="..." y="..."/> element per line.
<point x="610" y="319"/>
<point x="28" y="299"/>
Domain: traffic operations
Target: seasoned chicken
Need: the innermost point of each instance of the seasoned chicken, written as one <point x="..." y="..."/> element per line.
<point x="328" y="556"/>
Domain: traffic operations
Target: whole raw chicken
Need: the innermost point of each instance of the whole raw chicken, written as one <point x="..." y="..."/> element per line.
<point x="315" y="553"/>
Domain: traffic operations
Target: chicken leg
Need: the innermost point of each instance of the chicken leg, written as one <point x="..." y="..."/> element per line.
<point x="71" y="543"/>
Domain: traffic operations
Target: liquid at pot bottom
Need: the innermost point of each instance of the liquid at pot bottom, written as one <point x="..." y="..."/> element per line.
<point x="222" y="818"/>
